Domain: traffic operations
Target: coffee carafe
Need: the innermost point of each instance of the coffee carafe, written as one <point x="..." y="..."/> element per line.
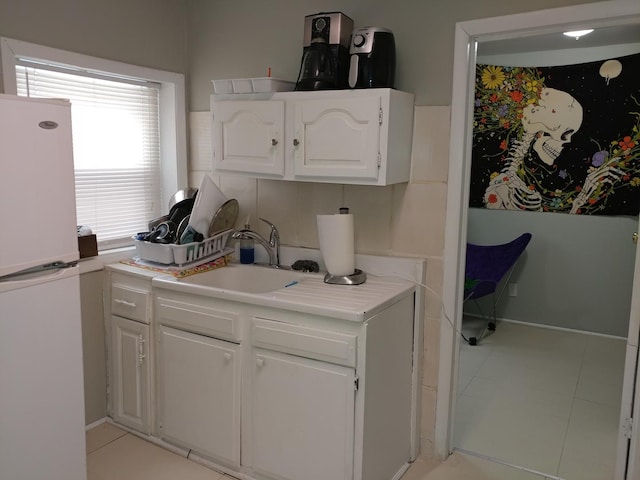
<point x="325" y="56"/>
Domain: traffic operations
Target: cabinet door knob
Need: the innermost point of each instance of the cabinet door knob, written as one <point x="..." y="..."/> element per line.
<point x="227" y="356"/>
<point x="296" y="142"/>
<point x="274" y="142"/>
<point x="634" y="237"/>
<point x="259" y="362"/>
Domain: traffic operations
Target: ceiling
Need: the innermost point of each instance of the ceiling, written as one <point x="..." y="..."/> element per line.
<point x="617" y="35"/>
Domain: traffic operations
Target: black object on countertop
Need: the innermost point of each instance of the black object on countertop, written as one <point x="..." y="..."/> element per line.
<point x="305" y="266"/>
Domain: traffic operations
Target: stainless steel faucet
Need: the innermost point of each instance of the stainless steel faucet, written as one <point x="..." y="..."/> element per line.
<point x="272" y="246"/>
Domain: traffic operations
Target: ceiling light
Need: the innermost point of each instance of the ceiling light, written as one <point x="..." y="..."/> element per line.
<point x="577" y="33"/>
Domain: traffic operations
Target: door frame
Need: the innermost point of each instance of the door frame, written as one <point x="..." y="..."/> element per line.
<point x="467" y="36"/>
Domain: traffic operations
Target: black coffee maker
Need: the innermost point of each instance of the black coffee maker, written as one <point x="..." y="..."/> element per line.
<point x="325" y="57"/>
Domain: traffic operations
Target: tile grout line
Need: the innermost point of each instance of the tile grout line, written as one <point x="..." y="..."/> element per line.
<point x="124" y="434"/>
<point x="573" y="402"/>
<point x="507" y="464"/>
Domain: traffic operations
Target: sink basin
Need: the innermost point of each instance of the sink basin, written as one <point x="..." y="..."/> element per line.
<point x="245" y="278"/>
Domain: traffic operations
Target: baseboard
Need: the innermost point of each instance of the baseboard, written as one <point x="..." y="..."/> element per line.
<point x="95" y="424"/>
<point x="548" y="327"/>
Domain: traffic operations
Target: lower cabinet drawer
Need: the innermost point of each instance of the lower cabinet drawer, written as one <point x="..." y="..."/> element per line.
<point x="334" y="347"/>
<point x="130" y="302"/>
<point x="198" y="317"/>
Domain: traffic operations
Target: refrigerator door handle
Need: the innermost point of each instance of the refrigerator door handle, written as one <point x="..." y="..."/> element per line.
<point x="37" y="274"/>
<point x="39" y="270"/>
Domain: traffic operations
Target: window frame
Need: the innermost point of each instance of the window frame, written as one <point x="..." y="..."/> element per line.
<point x="173" y="122"/>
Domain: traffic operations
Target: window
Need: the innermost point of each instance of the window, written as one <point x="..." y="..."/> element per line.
<point x="126" y="161"/>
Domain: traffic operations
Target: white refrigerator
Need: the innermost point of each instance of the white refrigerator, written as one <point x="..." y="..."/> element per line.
<point x="42" y="427"/>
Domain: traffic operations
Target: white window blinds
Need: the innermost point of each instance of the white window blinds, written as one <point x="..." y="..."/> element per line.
<point x="115" y="146"/>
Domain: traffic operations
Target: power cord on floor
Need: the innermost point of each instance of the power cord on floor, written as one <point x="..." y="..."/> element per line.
<point x="427" y="288"/>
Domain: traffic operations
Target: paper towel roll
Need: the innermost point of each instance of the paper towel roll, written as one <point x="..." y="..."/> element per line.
<point x="335" y="235"/>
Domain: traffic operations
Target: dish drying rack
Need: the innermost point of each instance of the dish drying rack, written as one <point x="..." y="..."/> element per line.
<point x="187" y="255"/>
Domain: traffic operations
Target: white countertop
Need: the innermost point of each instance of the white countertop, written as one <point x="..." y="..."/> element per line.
<point x="388" y="279"/>
<point x="313" y="296"/>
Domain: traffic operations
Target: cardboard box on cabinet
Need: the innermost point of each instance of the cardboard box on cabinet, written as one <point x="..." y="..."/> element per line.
<point x="87" y="246"/>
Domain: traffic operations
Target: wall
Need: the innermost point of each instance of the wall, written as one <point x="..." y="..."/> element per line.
<point x="401" y="220"/>
<point x="576" y="273"/>
<point x="242" y="38"/>
<point x="569" y="254"/>
<point x="93" y="347"/>
<point x="150" y="33"/>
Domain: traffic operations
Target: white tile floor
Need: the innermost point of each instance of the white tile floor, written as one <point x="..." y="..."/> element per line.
<point x="113" y="454"/>
<point x="543" y="399"/>
<point x="536" y="398"/>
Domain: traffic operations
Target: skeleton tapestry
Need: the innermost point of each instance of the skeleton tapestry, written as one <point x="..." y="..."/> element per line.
<point x="558" y="139"/>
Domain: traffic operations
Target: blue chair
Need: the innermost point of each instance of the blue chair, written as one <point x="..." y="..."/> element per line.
<point x="486" y="266"/>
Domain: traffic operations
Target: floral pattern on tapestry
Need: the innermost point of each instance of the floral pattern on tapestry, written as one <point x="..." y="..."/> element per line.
<point x="558" y="139"/>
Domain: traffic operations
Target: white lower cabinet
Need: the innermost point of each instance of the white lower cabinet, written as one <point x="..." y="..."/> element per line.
<point x="130" y="367"/>
<point x="263" y="392"/>
<point x="199" y="394"/>
<point x="130" y="349"/>
<point x="302" y="417"/>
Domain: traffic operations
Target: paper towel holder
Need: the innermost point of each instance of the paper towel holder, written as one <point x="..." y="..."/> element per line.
<point x="356" y="278"/>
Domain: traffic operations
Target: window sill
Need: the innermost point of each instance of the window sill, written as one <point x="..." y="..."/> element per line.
<point x="105" y="257"/>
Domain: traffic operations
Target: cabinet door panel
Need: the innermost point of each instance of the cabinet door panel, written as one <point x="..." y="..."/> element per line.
<point x="200" y="394"/>
<point x="303" y="418"/>
<point x="249" y="136"/>
<point x="337" y="138"/>
<point x="130" y="385"/>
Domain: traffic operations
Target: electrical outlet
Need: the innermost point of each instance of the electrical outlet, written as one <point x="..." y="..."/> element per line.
<point x="513" y="289"/>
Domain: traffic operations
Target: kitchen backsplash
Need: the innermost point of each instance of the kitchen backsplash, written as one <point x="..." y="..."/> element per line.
<point x="405" y="219"/>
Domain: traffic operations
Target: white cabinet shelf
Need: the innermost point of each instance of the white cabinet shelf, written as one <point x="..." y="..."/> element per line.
<point x="340" y="136"/>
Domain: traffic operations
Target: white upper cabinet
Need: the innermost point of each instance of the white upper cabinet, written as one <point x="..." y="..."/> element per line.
<point x="340" y="136"/>
<point x="337" y="138"/>
<point x="249" y="137"/>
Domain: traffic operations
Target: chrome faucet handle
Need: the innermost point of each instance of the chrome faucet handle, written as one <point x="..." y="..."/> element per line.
<point x="274" y="236"/>
<point x="274" y="241"/>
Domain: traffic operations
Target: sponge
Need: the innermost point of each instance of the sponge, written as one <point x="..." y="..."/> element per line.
<point x="305" y="266"/>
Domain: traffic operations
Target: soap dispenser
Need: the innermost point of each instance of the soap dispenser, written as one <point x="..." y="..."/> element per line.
<point x="246" y="248"/>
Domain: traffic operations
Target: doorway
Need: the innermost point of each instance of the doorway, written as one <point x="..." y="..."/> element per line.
<point x="468" y="36"/>
<point x="544" y="394"/>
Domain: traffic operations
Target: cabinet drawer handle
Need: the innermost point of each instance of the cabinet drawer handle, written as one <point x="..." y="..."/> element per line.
<point x="274" y="142"/>
<point x="124" y="302"/>
<point x="259" y="362"/>
<point x="296" y="142"/>
<point x="227" y="356"/>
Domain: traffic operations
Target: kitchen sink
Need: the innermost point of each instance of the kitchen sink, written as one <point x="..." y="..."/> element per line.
<point x="246" y="278"/>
